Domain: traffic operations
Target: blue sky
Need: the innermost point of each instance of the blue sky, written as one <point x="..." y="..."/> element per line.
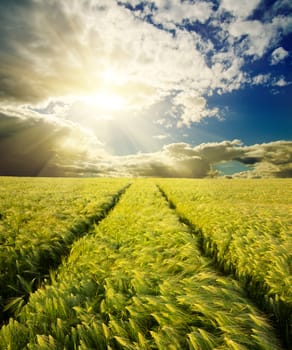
<point x="146" y="88"/>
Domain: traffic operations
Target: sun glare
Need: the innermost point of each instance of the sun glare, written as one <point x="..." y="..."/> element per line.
<point x="105" y="101"/>
<point x="112" y="76"/>
<point x="109" y="75"/>
<point x="109" y="100"/>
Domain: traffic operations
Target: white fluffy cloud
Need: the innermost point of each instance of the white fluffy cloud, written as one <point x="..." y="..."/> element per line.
<point x="261" y="79"/>
<point x="278" y="55"/>
<point x="72" y="47"/>
<point x="241" y="9"/>
<point x="172" y="12"/>
<point x="280" y="82"/>
<point x="194" y="108"/>
<point x="257" y="36"/>
<point x="227" y="74"/>
<point x="69" y="49"/>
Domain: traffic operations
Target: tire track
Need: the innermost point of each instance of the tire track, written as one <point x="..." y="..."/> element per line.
<point x="256" y="295"/>
<point x="139" y="281"/>
<point x="16" y="298"/>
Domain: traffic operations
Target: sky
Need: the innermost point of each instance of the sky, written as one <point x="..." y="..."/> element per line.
<point x="162" y="88"/>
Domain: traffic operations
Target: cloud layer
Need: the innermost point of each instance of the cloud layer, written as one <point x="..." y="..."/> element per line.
<point x="46" y="147"/>
<point x="39" y="146"/>
<point x="145" y="50"/>
<point x="65" y="64"/>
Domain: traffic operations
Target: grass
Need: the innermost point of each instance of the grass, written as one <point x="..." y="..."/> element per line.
<point x="40" y="219"/>
<point x="138" y="280"/>
<point x="245" y="226"/>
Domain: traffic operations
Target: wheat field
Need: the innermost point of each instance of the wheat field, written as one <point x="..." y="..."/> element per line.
<point x="145" y="264"/>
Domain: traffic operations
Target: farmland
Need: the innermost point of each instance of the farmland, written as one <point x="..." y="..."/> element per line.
<point x="246" y="228"/>
<point x="161" y="264"/>
<point x="39" y="221"/>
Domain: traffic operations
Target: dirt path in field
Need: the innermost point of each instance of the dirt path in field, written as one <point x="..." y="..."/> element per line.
<point x="194" y="231"/>
<point x="13" y="301"/>
<point x="139" y="280"/>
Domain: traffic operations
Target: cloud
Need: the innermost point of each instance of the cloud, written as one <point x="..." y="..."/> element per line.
<point x="173" y="12"/>
<point x="265" y="79"/>
<point x="227" y="74"/>
<point x="161" y="137"/>
<point x="281" y="5"/>
<point x="242" y="9"/>
<point x="144" y="52"/>
<point x="174" y="160"/>
<point x="261" y="79"/>
<point x="277" y="152"/>
<point x="33" y="145"/>
<point x="63" y="49"/>
<point x="193" y="107"/>
<point x="272" y="159"/>
<point x="183" y="160"/>
<point x="216" y="152"/>
<point x="66" y="64"/>
<point x="280" y="82"/>
<point x="278" y="55"/>
<point x="267" y="170"/>
<point x="255" y="36"/>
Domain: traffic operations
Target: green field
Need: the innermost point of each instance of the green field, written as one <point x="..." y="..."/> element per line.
<point x="145" y="264"/>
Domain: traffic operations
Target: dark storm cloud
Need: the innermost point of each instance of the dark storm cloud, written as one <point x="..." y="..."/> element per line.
<point x="26" y="146"/>
<point x="277" y="152"/>
<point x="41" y="147"/>
<point x="216" y="152"/>
<point x="272" y="159"/>
<point x="249" y="160"/>
<point x="34" y="146"/>
<point x="284" y="172"/>
<point x="162" y="164"/>
<point x="180" y="160"/>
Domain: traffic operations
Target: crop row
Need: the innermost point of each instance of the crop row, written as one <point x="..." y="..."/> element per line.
<point x="246" y="227"/>
<point x="138" y="281"/>
<point x="39" y="219"/>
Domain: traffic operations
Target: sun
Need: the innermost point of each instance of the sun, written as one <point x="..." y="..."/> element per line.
<point x="109" y="76"/>
<point x="105" y="101"/>
<point x="107" y="98"/>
